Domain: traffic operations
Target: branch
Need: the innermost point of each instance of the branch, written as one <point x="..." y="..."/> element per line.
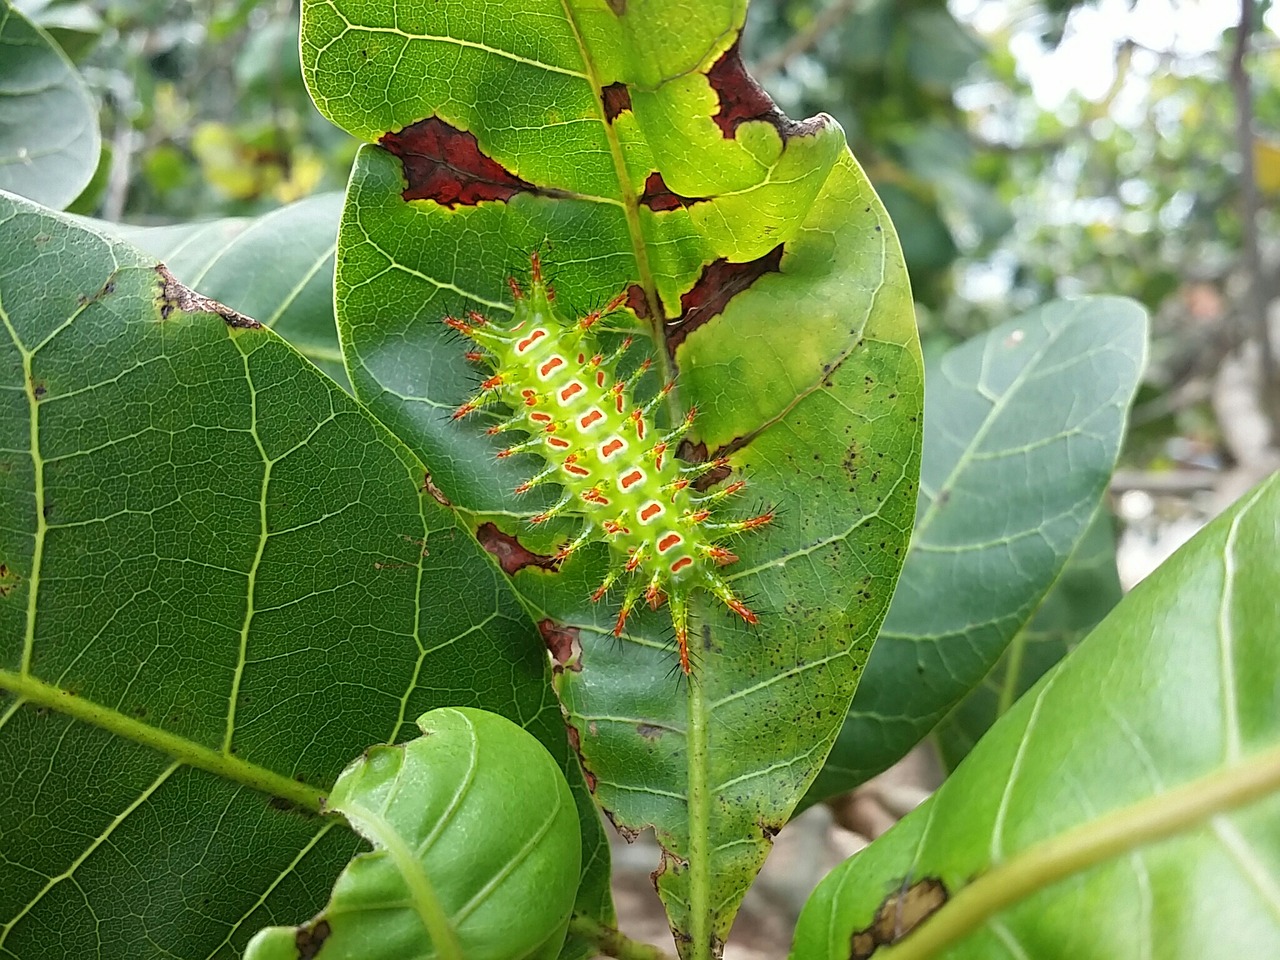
<point x="1255" y="308"/>
<point x="821" y="24"/>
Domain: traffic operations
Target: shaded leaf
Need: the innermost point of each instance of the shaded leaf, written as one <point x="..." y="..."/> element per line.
<point x="277" y="268"/>
<point x="627" y="143"/>
<point x="1085" y="592"/>
<point x="465" y="865"/>
<point x="220" y="579"/>
<point x="49" y="139"/>
<point x="1125" y="807"/>
<point x="1022" y="430"/>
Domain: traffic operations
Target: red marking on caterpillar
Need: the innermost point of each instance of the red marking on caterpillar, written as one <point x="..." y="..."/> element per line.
<point x="667" y="555"/>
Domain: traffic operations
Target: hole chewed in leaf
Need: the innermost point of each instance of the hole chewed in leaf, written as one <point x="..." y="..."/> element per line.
<point x="563" y="643"/>
<point x="719" y="283"/>
<point x="176" y="296"/>
<point x="900" y="913"/>
<point x="437" y="494"/>
<point x="309" y="940"/>
<point x="616" y="100"/>
<point x="575" y="741"/>
<point x="638" y="302"/>
<point x="742" y="100"/>
<point x="511" y="555"/>
<point x="445" y="164"/>
<point x="691" y="452"/>
<point x="659" y="197"/>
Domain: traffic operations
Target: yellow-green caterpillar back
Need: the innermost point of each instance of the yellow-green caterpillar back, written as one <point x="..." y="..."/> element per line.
<point x="599" y="444"/>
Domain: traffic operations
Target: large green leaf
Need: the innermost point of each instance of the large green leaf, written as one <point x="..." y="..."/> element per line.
<point x="277" y="268"/>
<point x="1127" y="806"/>
<point x="1022" y="429"/>
<point x="1085" y="593"/>
<point x="49" y="140"/>
<point x="220" y="579"/>
<point x="626" y="142"/>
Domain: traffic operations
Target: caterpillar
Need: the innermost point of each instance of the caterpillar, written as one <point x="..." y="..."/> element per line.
<point x="600" y="444"/>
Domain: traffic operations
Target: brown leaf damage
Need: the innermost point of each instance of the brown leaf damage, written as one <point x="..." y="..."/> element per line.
<point x="445" y="164"/>
<point x="563" y="643"/>
<point x="616" y="100"/>
<point x="659" y="197"/>
<point x="176" y="296"/>
<point x="510" y="553"/>
<point x="719" y="283"/>
<point x="900" y="913"/>
<point x="743" y="100"/>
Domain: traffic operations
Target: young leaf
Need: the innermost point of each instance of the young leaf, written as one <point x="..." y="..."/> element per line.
<point x="1125" y="807"/>
<point x="476" y="851"/>
<point x="49" y="140"/>
<point x="1022" y="431"/>
<point x="627" y="144"/>
<point x="220" y="579"/>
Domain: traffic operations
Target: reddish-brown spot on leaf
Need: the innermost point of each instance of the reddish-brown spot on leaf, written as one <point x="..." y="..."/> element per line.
<point x="615" y="99"/>
<point x="563" y="642"/>
<point x="175" y="296"/>
<point x="309" y="940"/>
<point x="719" y="283"/>
<point x="445" y="164"/>
<point x="8" y="580"/>
<point x="511" y="555"/>
<point x="742" y="99"/>
<point x="638" y="302"/>
<point x="659" y="197"/>
<point x="899" y="913"/>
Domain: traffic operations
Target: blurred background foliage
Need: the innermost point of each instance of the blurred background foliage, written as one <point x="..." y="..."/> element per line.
<point x="1026" y="149"/>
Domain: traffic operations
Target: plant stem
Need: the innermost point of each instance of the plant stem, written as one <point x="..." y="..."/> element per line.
<point x="613" y="943"/>
<point x="699" y="826"/>
<point x="1085" y="846"/>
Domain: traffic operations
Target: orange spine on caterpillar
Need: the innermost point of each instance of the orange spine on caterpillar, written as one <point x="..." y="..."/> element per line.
<point x="599" y="443"/>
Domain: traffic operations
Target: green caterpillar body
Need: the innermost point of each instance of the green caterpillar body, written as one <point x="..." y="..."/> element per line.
<point x="617" y="471"/>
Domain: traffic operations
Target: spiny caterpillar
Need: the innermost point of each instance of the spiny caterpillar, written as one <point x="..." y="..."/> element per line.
<point x="600" y="445"/>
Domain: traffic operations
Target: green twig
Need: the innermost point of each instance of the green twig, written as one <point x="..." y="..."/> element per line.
<point x="613" y="943"/>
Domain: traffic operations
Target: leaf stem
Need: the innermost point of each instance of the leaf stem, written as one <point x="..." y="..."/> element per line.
<point x="226" y="765"/>
<point x="699" y="826"/>
<point x="1109" y="836"/>
<point x="611" y="942"/>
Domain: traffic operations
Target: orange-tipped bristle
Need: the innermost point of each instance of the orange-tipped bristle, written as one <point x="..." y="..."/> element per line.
<point x="478" y="319"/>
<point x="494" y="381"/>
<point x="740" y="608"/>
<point x="622" y="622"/>
<point x="759" y="521"/>
<point x="524" y="488"/>
<point x="535" y="264"/>
<point x="463" y="410"/>
<point x="700" y="516"/>
<point x="722" y="556"/>
<point x="654" y="597"/>
<point x="734" y="487"/>
<point x="540" y="518"/>
<point x="474" y="356"/>
<point x="515" y="288"/>
<point x="460" y="325"/>
<point x="615" y="303"/>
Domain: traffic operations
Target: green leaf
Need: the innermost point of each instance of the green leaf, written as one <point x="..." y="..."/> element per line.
<point x="1125" y="807"/>
<point x="1084" y="593"/>
<point x="1022" y="430"/>
<point x="277" y="268"/>
<point x="49" y="139"/>
<point x="464" y="864"/>
<point x="626" y="143"/>
<point x="220" y="579"/>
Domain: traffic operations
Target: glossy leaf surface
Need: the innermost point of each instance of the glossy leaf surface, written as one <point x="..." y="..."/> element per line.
<point x="1125" y="807"/>
<point x="1085" y="592"/>
<point x="220" y="579"/>
<point x="628" y="145"/>
<point x="1022" y="429"/>
<point x="49" y="139"/>
<point x="476" y="850"/>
